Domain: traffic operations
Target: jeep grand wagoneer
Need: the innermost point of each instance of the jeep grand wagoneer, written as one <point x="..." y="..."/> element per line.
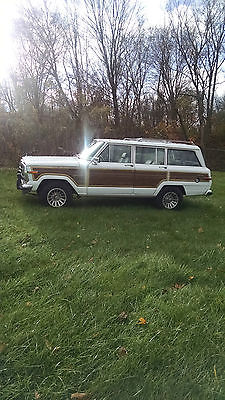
<point x="165" y="170"/>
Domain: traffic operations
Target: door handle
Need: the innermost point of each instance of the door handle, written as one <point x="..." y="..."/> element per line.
<point x="163" y="167"/>
<point x="128" y="165"/>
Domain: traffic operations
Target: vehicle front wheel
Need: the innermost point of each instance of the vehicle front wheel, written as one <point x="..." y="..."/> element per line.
<point x="56" y="194"/>
<point x="170" y="198"/>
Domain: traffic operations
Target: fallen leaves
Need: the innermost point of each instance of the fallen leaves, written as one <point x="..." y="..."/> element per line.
<point x="48" y="344"/>
<point x="3" y="347"/>
<point x="51" y="348"/>
<point x="200" y="230"/>
<point x="179" y="285"/>
<point x="122" y="351"/>
<point x="182" y="285"/>
<point x="79" y="396"/>
<point x="36" y="395"/>
<point x="215" y="373"/>
<point x="142" y="321"/>
<point x="122" y="317"/>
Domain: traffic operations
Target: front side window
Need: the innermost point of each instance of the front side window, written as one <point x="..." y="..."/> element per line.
<point x="89" y="152"/>
<point x="149" y="155"/>
<point x="104" y="155"/>
<point x="116" y="153"/>
<point x="183" y="158"/>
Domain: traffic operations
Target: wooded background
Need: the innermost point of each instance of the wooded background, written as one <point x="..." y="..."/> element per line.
<point x="93" y="68"/>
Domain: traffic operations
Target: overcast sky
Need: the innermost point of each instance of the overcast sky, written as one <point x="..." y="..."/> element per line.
<point x="152" y="9"/>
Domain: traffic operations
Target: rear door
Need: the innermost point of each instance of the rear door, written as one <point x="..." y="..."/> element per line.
<point x="150" y="169"/>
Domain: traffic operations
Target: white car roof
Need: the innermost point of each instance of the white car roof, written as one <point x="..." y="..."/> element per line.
<point x="154" y="142"/>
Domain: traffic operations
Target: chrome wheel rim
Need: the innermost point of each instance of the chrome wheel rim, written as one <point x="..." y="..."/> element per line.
<point x="170" y="200"/>
<point x="56" y="197"/>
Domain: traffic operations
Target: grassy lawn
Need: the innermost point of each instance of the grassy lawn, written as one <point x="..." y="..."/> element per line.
<point x="75" y="281"/>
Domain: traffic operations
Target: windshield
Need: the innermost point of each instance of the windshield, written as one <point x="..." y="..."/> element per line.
<point x="89" y="152"/>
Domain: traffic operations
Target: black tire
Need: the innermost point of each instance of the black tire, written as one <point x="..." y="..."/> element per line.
<point x="56" y="194"/>
<point x="170" y="198"/>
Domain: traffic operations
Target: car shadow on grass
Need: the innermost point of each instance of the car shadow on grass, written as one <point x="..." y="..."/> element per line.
<point x="194" y="204"/>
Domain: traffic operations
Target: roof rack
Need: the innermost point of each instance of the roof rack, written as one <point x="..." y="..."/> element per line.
<point x="129" y="138"/>
<point x="182" y="141"/>
<point x="190" y="142"/>
<point x="140" y="139"/>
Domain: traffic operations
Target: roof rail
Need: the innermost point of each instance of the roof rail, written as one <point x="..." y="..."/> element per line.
<point x="140" y="139"/>
<point x="182" y="141"/>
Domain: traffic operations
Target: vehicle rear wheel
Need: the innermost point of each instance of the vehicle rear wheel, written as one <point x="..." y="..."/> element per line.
<point x="170" y="198"/>
<point x="56" y="194"/>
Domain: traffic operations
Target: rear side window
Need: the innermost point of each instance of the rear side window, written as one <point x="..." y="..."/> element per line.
<point x="182" y="158"/>
<point x="149" y="155"/>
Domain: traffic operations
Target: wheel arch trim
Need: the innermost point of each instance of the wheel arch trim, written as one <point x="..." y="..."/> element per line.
<point x="170" y="185"/>
<point x="53" y="178"/>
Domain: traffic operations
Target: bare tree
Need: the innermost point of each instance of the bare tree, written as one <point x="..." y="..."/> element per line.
<point x="136" y="74"/>
<point x="199" y="31"/>
<point x="7" y="95"/>
<point x="42" y="30"/>
<point x="170" y="72"/>
<point x="110" y="22"/>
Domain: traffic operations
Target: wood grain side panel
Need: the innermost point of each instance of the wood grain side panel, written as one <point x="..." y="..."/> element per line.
<point x="111" y="177"/>
<point x="91" y="177"/>
<point x="188" y="177"/>
<point x="151" y="179"/>
<point x="77" y="175"/>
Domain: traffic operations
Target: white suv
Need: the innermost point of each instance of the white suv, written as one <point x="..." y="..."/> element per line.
<point x="165" y="170"/>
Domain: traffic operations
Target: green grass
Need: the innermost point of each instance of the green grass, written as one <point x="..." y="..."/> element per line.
<point x="67" y="274"/>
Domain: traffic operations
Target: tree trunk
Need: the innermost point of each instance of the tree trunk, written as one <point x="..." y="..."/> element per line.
<point x="115" y="106"/>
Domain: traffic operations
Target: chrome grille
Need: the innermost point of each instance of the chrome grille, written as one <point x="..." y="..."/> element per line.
<point x="22" y="172"/>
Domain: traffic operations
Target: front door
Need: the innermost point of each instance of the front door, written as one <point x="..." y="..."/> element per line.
<point x="113" y="174"/>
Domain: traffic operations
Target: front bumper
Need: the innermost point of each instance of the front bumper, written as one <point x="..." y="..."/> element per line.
<point x="22" y="185"/>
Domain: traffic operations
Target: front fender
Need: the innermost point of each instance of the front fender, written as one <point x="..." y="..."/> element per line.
<point x="48" y="178"/>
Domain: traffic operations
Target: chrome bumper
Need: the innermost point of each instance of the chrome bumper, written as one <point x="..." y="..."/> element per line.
<point x="20" y="185"/>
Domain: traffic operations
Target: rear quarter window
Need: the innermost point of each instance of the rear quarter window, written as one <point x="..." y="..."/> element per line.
<point x="182" y="158"/>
